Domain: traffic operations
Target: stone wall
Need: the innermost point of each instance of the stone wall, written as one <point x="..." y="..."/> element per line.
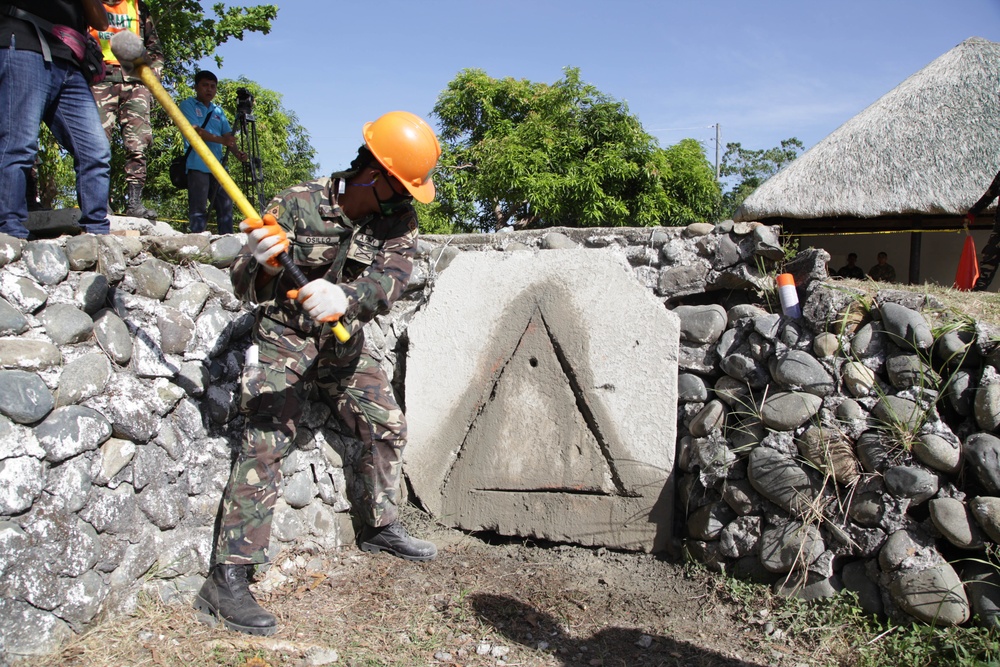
<point x="120" y="357"/>
<point x="119" y="360"/>
<point x="852" y="447"/>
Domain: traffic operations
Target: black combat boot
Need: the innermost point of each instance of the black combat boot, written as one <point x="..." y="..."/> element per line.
<point x="133" y="192"/>
<point x="393" y="538"/>
<point x="226" y="595"/>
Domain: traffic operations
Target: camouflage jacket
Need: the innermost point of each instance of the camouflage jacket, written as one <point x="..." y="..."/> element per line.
<point x="370" y="258"/>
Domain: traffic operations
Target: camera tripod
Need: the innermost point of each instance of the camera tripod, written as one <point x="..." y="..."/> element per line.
<point x="246" y="129"/>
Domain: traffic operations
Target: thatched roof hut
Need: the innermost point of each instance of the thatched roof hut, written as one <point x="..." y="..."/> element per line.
<point x="918" y="157"/>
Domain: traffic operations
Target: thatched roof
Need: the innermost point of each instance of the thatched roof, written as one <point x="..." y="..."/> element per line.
<point x="929" y="147"/>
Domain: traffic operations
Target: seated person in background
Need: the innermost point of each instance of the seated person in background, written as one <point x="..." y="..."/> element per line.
<point x="883" y="271"/>
<point x="851" y="269"/>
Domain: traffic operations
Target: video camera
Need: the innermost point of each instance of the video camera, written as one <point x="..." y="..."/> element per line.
<point x="244" y="101"/>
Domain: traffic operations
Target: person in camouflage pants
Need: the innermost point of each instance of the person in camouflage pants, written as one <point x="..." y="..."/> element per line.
<point x="273" y="394"/>
<point x="124" y="102"/>
<point x="354" y="236"/>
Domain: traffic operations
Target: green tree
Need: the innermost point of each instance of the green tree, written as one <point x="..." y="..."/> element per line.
<point x="537" y="155"/>
<point x="691" y="189"/>
<point x="747" y="169"/>
<point x="56" y="180"/>
<point x="187" y="35"/>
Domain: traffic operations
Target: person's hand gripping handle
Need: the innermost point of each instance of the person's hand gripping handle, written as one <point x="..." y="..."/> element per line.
<point x="269" y="245"/>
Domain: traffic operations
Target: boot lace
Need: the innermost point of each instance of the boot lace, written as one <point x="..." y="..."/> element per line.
<point x="240" y="583"/>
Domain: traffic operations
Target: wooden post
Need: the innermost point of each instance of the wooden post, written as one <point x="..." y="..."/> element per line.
<point x="915" y="239"/>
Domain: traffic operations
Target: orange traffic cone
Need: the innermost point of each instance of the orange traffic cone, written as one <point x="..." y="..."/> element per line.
<point x="968" y="266"/>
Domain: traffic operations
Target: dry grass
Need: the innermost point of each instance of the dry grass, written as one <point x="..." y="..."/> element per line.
<point x="954" y="304"/>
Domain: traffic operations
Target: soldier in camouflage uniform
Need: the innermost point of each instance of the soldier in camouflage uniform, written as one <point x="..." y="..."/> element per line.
<point x="124" y="101"/>
<point x="354" y="237"/>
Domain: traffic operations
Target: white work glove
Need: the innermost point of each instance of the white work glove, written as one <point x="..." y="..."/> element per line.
<point x="266" y="240"/>
<point x="324" y="301"/>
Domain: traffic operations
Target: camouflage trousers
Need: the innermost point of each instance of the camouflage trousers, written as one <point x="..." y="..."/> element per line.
<point x="126" y="105"/>
<point x="273" y="395"/>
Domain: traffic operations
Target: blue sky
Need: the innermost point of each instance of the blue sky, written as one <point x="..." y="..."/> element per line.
<point x="764" y="70"/>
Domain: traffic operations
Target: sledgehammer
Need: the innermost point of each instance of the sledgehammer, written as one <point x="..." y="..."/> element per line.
<point x="127" y="47"/>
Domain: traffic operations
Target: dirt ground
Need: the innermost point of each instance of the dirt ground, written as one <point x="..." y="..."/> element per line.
<point x="481" y="602"/>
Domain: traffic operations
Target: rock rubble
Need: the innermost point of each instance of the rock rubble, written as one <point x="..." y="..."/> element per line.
<point x="858" y="450"/>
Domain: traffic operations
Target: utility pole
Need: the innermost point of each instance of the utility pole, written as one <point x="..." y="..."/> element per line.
<point x="718" y="134"/>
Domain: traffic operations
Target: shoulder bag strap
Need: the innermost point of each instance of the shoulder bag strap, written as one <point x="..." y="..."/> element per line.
<point x="208" y="117"/>
<point x="37" y="21"/>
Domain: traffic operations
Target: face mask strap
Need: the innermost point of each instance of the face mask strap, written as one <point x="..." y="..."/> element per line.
<point x="389" y="206"/>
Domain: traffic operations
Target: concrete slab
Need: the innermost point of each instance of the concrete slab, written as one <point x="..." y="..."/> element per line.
<point x="541" y="393"/>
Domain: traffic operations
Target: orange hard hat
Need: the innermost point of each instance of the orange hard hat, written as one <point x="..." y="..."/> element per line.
<point x="406" y="146"/>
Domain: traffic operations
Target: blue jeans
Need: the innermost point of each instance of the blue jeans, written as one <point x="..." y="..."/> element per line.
<point x="33" y="91"/>
<point x="202" y="190"/>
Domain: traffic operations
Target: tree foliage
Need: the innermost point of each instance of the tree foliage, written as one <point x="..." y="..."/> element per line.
<point x="747" y="169"/>
<point x="56" y="180"/>
<point x="187" y="35"/>
<point x="528" y="154"/>
<point x="692" y="191"/>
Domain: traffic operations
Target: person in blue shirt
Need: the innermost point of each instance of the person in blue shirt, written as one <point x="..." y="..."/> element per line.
<point x="203" y="188"/>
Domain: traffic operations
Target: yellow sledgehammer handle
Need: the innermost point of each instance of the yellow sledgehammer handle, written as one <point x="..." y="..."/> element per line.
<point x="150" y="80"/>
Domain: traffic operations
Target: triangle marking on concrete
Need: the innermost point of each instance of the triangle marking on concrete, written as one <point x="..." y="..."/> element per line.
<point x="534" y="432"/>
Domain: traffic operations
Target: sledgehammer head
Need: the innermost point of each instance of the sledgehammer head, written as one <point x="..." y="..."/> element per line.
<point x="128" y="48"/>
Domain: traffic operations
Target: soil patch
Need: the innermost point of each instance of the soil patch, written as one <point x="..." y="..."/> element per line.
<point x="478" y="603"/>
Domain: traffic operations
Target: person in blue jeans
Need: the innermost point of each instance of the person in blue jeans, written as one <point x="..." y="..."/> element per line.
<point x="217" y="133"/>
<point x="41" y="81"/>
